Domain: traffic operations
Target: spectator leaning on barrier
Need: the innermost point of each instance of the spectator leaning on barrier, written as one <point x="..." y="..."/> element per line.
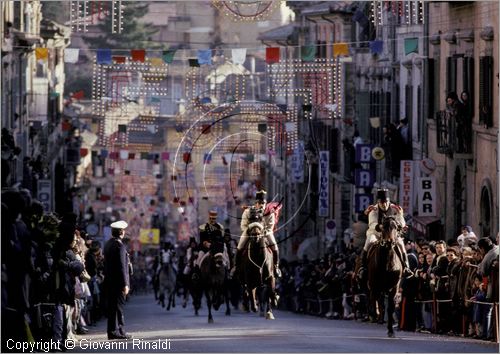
<point x="486" y="270"/>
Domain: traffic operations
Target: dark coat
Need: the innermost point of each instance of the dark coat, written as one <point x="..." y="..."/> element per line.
<point x="116" y="265"/>
<point x="213" y="234"/>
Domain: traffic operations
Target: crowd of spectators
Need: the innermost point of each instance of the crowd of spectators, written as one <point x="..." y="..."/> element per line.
<point x="454" y="290"/>
<point x="52" y="272"/>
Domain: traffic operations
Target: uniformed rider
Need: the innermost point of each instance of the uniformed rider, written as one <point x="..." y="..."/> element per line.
<point x="258" y="213"/>
<point x="211" y="240"/>
<point x="376" y="214"/>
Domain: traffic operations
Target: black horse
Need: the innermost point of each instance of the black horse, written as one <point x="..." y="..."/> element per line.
<point x="212" y="283"/>
<point x="257" y="276"/>
<point x="385" y="271"/>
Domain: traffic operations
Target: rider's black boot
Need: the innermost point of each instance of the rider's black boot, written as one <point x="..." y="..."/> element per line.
<point x="276" y="257"/>
<point x="404" y="260"/>
<point x="364" y="265"/>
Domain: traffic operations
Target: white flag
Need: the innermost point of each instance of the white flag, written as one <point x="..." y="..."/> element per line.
<point x="239" y="55"/>
<point x="71" y="55"/>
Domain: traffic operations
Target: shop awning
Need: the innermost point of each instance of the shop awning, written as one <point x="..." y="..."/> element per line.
<point x="419" y="223"/>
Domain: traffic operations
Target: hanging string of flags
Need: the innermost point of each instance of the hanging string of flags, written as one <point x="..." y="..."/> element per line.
<point x="238" y="55"/>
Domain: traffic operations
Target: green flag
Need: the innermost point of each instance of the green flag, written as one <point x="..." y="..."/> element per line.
<point x="308" y="53"/>
<point x="168" y="55"/>
<point x="411" y="45"/>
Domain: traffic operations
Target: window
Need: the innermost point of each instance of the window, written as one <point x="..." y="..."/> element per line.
<point x="486" y="91"/>
<point x="468" y="77"/>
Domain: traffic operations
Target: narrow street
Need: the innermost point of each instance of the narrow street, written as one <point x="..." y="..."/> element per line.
<point x="242" y="332"/>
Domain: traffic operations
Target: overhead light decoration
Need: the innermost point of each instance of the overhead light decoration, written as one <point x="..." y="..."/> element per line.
<point x="116" y="16"/>
<point x="78" y="15"/>
<point x="246" y="10"/>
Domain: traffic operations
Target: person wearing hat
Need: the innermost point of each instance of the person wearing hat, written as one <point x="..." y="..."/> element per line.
<point x="211" y="241"/>
<point x="117" y="280"/>
<point x="376" y="214"/>
<point x="258" y="213"/>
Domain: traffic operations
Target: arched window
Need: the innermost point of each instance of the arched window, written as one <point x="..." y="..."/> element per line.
<point x="485" y="216"/>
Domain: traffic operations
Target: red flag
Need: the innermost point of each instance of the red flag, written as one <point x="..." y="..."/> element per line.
<point x="65" y="126"/>
<point x="272" y="55"/>
<point x="186" y="157"/>
<point x="78" y="95"/>
<point x="84" y="152"/>
<point x="138" y="55"/>
<point x="119" y="59"/>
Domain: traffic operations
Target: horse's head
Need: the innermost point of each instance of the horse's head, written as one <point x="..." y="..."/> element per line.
<point x="390" y="228"/>
<point x="218" y="260"/>
<point x="255" y="232"/>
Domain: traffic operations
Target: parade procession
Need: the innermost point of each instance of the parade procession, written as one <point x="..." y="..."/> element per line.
<point x="250" y="176"/>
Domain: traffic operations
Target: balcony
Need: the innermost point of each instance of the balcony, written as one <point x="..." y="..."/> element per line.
<point x="453" y="139"/>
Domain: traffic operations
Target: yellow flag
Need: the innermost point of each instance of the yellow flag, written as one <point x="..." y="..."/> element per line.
<point x="157" y="61"/>
<point x="340" y="49"/>
<point x="42" y="53"/>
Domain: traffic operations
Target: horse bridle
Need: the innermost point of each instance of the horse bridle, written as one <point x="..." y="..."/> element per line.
<point x="249" y="255"/>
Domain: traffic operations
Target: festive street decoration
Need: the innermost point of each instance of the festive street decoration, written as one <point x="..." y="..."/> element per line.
<point x="79" y="15"/>
<point x="246" y="10"/>
<point x="116" y="16"/>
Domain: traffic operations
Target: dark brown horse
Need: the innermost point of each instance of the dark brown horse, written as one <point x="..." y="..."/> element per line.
<point x="384" y="271"/>
<point x="213" y="283"/>
<point x="257" y="276"/>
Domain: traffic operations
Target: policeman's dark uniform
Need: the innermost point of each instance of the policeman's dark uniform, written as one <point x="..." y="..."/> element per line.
<point x="214" y="234"/>
<point x="117" y="277"/>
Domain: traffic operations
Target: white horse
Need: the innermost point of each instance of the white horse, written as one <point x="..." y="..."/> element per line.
<point x="167" y="280"/>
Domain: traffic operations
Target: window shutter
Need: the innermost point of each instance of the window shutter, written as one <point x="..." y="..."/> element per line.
<point x="451" y="74"/>
<point x="334" y="150"/>
<point x="419" y="112"/>
<point x="468" y="77"/>
<point x="486" y="90"/>
<point x="408" y="103"/>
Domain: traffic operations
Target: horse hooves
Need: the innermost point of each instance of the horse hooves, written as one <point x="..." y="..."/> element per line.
<point x="228" y="313"/>
<point x="261" y="314"/>
<point x="210" y="320"/>
<point x="390" y="334"/>
<point x="269" y="316"/>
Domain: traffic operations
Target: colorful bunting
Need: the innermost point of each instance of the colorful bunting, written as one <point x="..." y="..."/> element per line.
<point x="156" y="62"/>
<point x="308" y="53"/>
<point x="411" y="45"/>
<point x="193" y="63"/>
<point x="272" y="55"/>
<point x="42" y="53"/>
<point x="205" y="57"/>
<point x="138" y="55"/>
<point x="103" y="56"/>
<point x="207" y="158"/>
<point x="165" y="155"/>
<point x="71" y="55"/>
<point x="119" y="59"/>
<point x="78" y="95"/>
<point x="168" y="56"/>
<point x="104" y="153"/>
<point x="239" y="55"/>
<point x="124" y="154"/>
<point x="376" y="47"/>
<point x="340" y="49"/>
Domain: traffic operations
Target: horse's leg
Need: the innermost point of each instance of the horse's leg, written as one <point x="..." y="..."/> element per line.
<point x="227" y="298"/>
<point x="253" y="305"/>
<point x="390" y="312"/>
<point x="381" y="307"/>
<point x="209" y="305"/>
<point x="270" y="292"/>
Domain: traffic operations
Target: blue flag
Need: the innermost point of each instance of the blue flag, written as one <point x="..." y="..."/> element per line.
<point x="376" y="47"/>
<point x="205" y="56"/>
<point x="104" y="56"/>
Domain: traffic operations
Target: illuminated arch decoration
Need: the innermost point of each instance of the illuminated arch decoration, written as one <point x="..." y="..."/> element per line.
<point x="216" y="89"/>
<point x="246" y="10"/>
<point x="320" y="88"/>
